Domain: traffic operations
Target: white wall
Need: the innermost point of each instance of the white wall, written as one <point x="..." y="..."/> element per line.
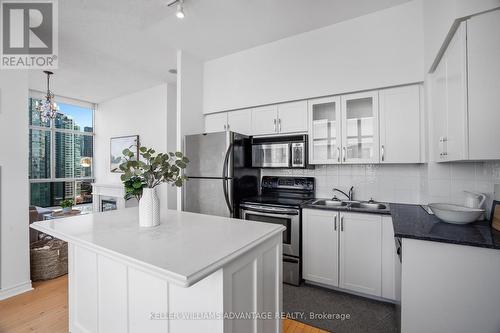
<point x="381" y="49"/>
<point x="189" y="101"/>
<point x="142" y="113"/>
<point x="14" y="195"/>
<point x="189" y="95"/>
<point x="172" y="137"/>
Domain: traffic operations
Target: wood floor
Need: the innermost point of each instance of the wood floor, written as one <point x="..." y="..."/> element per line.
<point x="45" y="309"/>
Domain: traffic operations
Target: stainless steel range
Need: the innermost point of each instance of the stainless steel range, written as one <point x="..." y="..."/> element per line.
<point x="280" y="202"/>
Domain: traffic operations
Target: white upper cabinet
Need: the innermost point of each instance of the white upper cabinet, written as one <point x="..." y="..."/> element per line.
<point x="216" y="122"/>
<point x="456" y="97"/>
<point x="292" y="117"/>
<point x="360" y="253"/>
<point x="400" y="125"/>
<point x="483" y="38"/>
<point x="449" y="101"/>
<point x="265" y="120"/>
<point x="280" y="118"/>
<point x="439" y="112"/>
<point x="320" y="246"/>
<point x="360" y="138"/>
<point x="324" y="130"/>
<point x="465" y="94"/>
<point x="240" y="121"/>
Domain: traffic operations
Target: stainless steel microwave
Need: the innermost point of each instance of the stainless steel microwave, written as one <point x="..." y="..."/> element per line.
<point x="280" y="152"/>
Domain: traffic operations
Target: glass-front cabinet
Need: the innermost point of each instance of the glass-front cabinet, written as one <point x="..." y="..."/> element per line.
<point x="324" y="128"/>
<point x="360" y="128"/>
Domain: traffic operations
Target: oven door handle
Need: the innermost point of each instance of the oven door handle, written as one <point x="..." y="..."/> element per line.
<point x="291" y="260"/>
<point x="275" y="211"/>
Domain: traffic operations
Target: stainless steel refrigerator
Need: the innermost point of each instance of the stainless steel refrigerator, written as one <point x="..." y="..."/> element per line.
<point x="219" y="173"/>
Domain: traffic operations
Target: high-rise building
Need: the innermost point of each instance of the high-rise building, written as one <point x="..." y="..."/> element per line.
<point x="73" y="153"/>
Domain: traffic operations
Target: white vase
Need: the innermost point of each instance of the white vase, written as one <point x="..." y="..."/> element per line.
<point x="149" y="208"/>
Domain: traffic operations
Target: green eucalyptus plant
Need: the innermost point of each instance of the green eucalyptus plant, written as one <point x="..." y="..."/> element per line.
<point x="151" y="169"/>
<point x="133" y="187"/>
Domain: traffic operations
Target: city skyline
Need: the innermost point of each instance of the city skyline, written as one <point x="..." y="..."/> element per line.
<point x="69" y="150"/>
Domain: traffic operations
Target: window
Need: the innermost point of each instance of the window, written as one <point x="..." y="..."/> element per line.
<point x="61" y="154"/>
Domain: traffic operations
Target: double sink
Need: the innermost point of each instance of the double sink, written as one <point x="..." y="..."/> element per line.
<point x="361" y="206"/>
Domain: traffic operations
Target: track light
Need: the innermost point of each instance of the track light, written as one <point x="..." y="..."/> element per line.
<point x="180" y="8"/>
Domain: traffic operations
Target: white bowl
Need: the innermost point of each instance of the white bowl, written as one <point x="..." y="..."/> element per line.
<point x="455" y="214"/>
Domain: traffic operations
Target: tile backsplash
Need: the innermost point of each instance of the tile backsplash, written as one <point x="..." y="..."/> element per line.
<point x="403" y="183"/>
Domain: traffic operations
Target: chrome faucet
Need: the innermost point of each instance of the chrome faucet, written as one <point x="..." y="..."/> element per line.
<point x="349" y="195"/>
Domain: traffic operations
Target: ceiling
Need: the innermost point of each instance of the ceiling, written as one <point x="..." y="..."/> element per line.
<point x="114" y="47"/>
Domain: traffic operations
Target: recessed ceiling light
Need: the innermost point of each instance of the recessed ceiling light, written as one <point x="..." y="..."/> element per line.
<point x="180" y="8"/>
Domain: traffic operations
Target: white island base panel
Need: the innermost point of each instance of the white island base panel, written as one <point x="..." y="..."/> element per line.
<point x="109" y="295"/>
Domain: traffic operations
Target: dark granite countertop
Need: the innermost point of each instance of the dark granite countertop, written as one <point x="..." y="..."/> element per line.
<point x="412" y="221"/>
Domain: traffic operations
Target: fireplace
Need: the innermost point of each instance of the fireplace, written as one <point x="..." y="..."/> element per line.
<point x="108" y="204"/>
<point x="108" y="197"/>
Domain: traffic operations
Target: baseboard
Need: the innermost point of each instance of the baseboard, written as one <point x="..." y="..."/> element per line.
<point x="15" y="290"/>
<point x="377" y="298"/>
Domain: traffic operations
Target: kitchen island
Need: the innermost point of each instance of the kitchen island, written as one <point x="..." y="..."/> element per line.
<point x="192" y="273"/>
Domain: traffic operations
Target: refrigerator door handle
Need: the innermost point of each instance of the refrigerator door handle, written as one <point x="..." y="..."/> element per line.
<point x="225" y="173"/>
<point x="225" y="178"/>
<point x="226" y="196"/>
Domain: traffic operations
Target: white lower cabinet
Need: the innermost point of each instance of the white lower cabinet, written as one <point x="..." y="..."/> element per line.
<point x="360" y="253"/>
<point x="351" y="251"/>
<point x="320" y="246"/>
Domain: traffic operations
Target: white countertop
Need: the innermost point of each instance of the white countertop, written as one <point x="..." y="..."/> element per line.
<point x="185" y="247"/>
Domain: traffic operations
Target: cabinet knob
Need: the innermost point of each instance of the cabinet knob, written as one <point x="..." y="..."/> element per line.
<point x="274" y="122"/>
<point x="344" y="153"/>
<point x="383" y="153"/>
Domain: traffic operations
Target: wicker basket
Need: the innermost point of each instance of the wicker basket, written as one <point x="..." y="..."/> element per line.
<point x="49" y="259"/>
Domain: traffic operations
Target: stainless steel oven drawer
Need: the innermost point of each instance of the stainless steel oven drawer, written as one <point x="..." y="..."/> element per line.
<point x="291" y="270"/>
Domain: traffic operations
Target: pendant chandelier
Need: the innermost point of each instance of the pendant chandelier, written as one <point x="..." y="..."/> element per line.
<point x="48" y="108"/>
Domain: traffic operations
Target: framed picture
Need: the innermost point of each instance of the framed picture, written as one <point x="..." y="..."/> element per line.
<point x="117" y="145"/>
<point x="495" y="215"/>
